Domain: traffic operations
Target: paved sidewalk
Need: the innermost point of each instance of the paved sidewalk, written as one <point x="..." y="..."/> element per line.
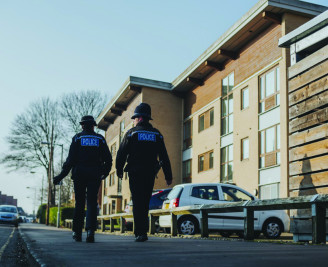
<point x="54" y="247"/>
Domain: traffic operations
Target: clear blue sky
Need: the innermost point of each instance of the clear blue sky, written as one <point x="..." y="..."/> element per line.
<point x="48" y="48"/>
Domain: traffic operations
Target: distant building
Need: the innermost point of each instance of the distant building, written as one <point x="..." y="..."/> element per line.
<point x="7" y="200"/>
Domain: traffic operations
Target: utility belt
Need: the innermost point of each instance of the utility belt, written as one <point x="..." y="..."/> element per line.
<point x="142" y="168"/>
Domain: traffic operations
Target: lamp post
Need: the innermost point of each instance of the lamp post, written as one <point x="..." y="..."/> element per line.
<point x="49" y="175"/>
<point x="34" y="200"/>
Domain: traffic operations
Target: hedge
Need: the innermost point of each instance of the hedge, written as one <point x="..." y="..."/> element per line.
<point x="66" y="213"/>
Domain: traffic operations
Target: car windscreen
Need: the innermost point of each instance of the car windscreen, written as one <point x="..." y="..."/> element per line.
<point x="175" y="193"/>
<point x="8" y="209"/>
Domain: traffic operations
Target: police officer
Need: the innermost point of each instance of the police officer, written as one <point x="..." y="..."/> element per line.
<point x="90" y="160"/>
<point x="141" y="147"/>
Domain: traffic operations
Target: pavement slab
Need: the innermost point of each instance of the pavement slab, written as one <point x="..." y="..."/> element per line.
<point x="51" y="246"/>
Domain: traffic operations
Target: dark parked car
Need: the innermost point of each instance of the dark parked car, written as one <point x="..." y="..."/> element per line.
<point x="156" y="202"/>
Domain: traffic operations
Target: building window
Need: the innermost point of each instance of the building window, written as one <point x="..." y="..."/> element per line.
<point x="269" y="191"/>
<point x="211" y="163"/>
<point x="113" y="206"/>
<point x="270" y="90"/>
<point x="270" y="146"/>
<point x="200" y="163"/>
<point x="122" y="128"/>
<point x="105" y="187"/>
<point x="227" y="105"/>
<point x="119" y="185"/>
<point x="205" y="161"/>
<point x="112" y="179"/>
<point x="227" y="163"/>
<point x="187" y="134"/>
<point x="244" y="98"/>
<point x="113" y="149"/>
<point x="245" y="148"/>
<point x="186" y="171"/>
<point x="105" y="209"/>
<point x="206" y="120"/>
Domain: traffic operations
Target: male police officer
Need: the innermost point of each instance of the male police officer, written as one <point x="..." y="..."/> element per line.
<point x="90" y="161"/>
<point x="141" y="147"/>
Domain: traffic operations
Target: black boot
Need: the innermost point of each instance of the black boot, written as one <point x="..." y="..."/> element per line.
<point x="90" y="236"/>
<point x="141" y="238"/>
<point x="77" y="236"/>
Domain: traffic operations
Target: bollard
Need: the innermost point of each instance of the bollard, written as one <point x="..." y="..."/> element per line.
<point x="152" y="226"/>
<point x="318" y="224"/>
<point x="174" y="226"/>
<point x="122" y="225"/>
<point x="204" y="223"/>
<point x="248" y="224"/>
<point x="102" y="225"/>
<point x="111" y="225"/>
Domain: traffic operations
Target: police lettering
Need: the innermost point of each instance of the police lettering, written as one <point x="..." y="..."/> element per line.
<point x="147" y="137"/>
<point x="89" y="142"/>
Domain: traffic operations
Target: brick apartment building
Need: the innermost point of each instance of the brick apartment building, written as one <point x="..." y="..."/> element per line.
<point x="225" y="118"/>
<point x="7" y="200"/>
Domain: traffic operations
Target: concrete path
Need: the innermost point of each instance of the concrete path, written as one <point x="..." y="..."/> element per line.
<point x="54" y="247"/>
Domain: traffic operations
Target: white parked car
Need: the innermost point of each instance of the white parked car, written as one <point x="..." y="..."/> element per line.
<point x="9" y="214"/>
<point x="270" y="223"/>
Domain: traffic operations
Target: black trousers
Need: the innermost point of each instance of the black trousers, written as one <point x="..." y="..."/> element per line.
<point x="85" y="189"/>
<point x="141" y="187"/>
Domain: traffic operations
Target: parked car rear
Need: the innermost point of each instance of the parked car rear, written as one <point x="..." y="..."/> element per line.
<point x="270" y="223"/>
<point x="9" y="214"/>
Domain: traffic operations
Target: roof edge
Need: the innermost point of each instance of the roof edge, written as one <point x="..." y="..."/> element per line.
<point x="134" y="81"/>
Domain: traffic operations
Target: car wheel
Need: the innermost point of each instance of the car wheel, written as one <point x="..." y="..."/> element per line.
<point x="225" y="234"/>
<point x="272" y="228"/>
<point x="187" y="225"/>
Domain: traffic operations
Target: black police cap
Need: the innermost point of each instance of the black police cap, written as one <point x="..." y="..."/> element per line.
<point x="142" y="110"/>
<point x="88" y="119"/>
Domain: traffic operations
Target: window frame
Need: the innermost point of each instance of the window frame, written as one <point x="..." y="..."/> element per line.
<point x="227" y="164"/>
<point x="206" y="161"/>
<point x="263" y="100"/>
<point x="226" y="97"/>
<point x="242" y="158"/>
<point x="276" y="151"/>
<point x="187" y="141"/>
<point x="242" y="107"/>
<point x="207" y="119"/>
<point x="184" y="163"/>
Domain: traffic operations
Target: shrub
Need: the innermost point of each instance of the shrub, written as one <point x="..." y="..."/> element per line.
<point x="41" y="214"/>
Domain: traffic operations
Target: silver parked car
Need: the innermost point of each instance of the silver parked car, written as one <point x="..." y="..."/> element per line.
<point x="270" y="223"/>
<point x="9" y="214"/>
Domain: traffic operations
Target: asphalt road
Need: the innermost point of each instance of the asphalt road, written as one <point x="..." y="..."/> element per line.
<point x="55" y="247"/>
<point x="12" y="251"/>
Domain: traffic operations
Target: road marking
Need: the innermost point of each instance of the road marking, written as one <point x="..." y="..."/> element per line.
<point x="6" y="244"/>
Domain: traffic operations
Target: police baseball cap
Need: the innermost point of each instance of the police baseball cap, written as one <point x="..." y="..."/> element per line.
<point x="142" y="110"/>
<point x="88" y="119"/>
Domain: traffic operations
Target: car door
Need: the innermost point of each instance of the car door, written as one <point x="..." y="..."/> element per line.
<point x="235" y="220"/>
<point x="206" y="195"/>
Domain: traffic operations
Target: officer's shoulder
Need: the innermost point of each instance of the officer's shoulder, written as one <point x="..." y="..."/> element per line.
<point x="156" y="130"/>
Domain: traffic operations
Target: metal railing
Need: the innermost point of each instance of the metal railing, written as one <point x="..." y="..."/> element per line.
<point x="317" y="203"/>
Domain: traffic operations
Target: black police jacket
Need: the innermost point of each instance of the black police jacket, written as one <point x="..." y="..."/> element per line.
<point x="89" y="156"/>
<point x="141" y="147"/>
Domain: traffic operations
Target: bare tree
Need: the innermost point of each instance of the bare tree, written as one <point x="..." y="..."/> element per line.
<point x="37" y="125"/>
<point x="77" y="104"/>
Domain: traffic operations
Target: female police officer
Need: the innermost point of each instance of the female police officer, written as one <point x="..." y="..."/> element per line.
<point x="90" y="161"/>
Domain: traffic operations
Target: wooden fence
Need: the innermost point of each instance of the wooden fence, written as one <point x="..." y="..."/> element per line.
<point x="318" y="204"/>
